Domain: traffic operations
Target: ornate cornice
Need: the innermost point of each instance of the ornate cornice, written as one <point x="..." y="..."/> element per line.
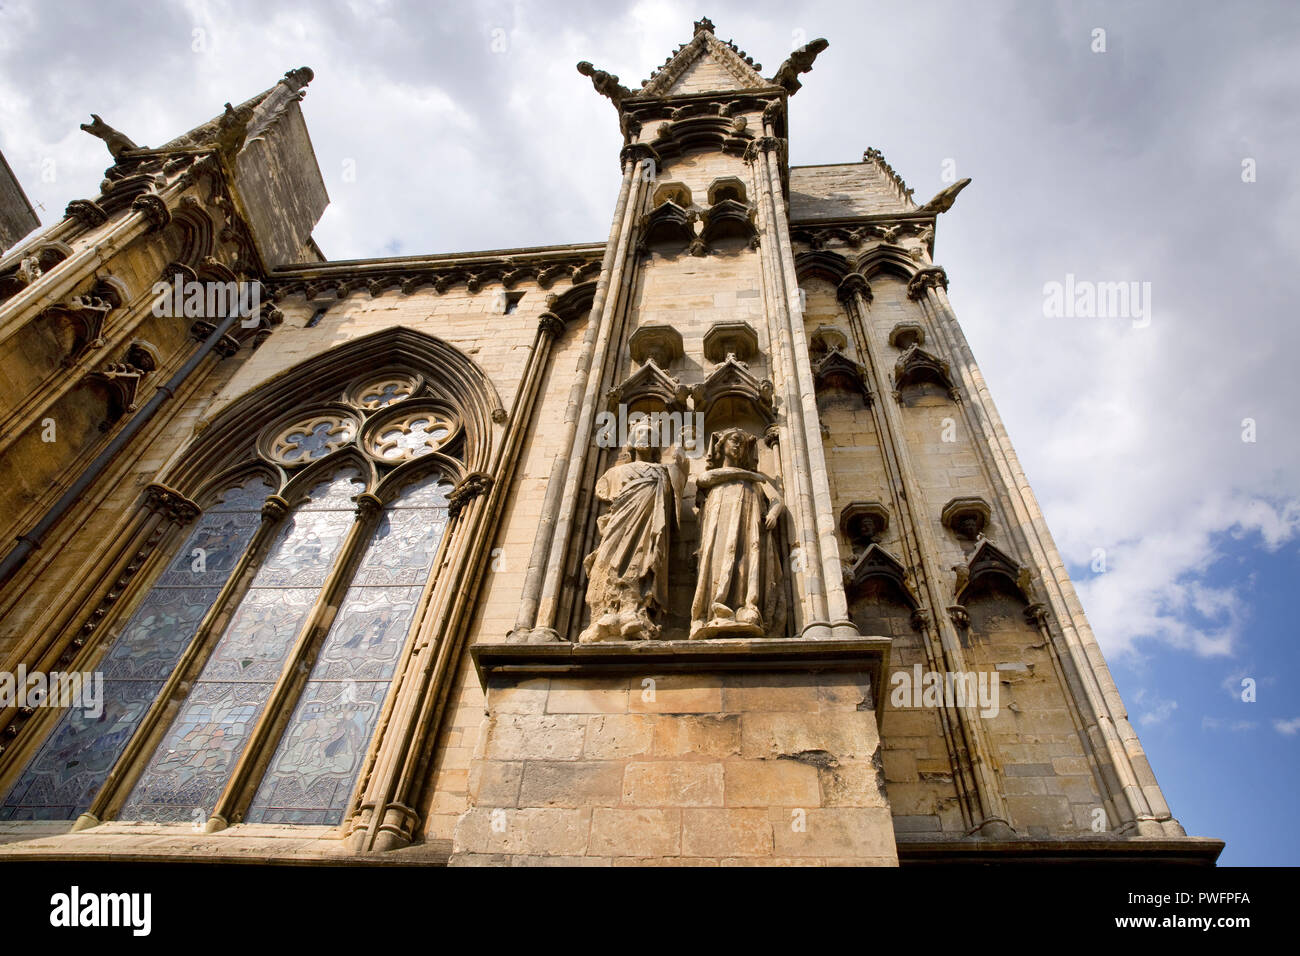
<point x="543" y="266"/>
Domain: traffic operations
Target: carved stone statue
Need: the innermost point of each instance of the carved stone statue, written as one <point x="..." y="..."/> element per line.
<point x="627" y="586"/>
<point x="117" y="143"/>
<point x="944" y="199"/>
<point x="739" y="591"/>
<point x="606" y="84"/>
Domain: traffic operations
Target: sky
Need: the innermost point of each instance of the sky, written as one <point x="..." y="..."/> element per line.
<point x="1162" y="446"/>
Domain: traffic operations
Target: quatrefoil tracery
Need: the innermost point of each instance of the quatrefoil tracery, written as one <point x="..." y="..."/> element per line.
<point x="312" y="438"/>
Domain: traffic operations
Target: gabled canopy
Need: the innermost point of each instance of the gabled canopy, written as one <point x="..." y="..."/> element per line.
<point x="705" y="65"/>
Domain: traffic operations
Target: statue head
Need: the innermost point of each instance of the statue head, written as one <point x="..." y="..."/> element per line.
<point x="734" y="447"/>
<point x="640" y="440"/>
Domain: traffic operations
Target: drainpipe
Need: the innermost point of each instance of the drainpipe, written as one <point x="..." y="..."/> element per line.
<point x="29" y="542"/>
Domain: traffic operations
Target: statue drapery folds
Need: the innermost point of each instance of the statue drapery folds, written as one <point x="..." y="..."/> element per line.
<point x="738" y="592"/>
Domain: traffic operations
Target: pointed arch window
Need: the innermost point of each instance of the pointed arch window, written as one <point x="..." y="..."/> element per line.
<point x="61" y="780"/>
<point x="248" y="683"/>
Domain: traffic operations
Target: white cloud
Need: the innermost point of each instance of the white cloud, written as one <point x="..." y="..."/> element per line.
<point x="1156" y="710"/>
<point x="1117" y="167"/>
<point x="1287" y="727"/>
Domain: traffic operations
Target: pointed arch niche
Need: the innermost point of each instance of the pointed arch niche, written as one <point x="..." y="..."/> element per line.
<point x="246" y="679"/>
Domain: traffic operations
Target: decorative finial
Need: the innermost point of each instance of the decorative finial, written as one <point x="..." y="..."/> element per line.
<point x="705" y="24"/>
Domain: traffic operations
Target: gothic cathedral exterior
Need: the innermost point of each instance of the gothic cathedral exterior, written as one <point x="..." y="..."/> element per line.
<point x="704" y="543"/>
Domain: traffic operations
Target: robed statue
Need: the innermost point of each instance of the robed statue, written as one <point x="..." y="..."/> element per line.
<point x="739" y="592"/>
<point x="627" y="574"/>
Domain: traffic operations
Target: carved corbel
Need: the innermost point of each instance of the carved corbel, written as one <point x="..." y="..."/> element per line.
<point x="927" y="278"/>
<point x="960" y="616"/>
<point x="656" y="342"/>
<point x="171" y="504"/>
<point x="550" y="325"/>
<point x="87" y="212"/>
<point x="725" y="339"/>
<point x="227" y="346"/>
<point x="855" y="283"/>
<point x="966" y="517"/>
<point x="470" y="487"/>
<point x="152" y="207"/>
<point x="547" y="276"/>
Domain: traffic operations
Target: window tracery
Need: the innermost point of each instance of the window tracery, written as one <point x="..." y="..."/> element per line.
<point x="352" y="511"/>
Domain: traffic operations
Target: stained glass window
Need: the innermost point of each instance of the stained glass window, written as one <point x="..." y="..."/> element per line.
<point x="62" y="778"/>
<point x="191" y="766"/>
<point x="311" y="777"/>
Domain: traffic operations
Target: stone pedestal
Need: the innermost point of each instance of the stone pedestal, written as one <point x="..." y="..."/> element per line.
<point x="737" y="752"/>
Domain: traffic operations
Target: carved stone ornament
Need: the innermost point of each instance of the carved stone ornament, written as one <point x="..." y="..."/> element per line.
<point x="87" y="212"/>
<point x="728" y="219"/>
<point x="627" y="574"/>
<point x="412" y="434"/>
<point x="927" y="278"/>
<point x="731" y="383"/>
<point x="474" y="484"/>
<point x="730" y="338"/>
<point x="551" y="325"/>
<point x="656" y="342"/>
<point x="906" y="334"/>
<point x="839" y="372"/>
<point x="170" y="503"/>
<point x="83" y="317"/>
<point x="916" y="365"/>
<point x="153" y="209"/>
<point x="966" y="517"/>
<point x="823" y="339"/>
<point x="989" y="561"/>
<point x="381" y="391"/>
<point x="862" y="522"/>
<point x="738" y="592"/>
<point x="648" y="389"/>
<point x="874" y="563"/>
<point x="311" y="438"/>
<point x="669" y="226"/>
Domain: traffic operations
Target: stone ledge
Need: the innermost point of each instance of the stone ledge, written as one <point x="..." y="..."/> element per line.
<point x="119" y="841"/>
<point x="521" y="661"/>
<point x="1150" y="851"/>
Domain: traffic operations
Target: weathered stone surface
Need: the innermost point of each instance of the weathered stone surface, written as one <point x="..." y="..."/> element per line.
<point x="673" y="783"/>
<point x="726" y="833"/>
<point x="636" y="833"/>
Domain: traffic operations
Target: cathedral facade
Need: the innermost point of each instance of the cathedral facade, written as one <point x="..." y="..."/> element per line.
<point x="700" y="544"/>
